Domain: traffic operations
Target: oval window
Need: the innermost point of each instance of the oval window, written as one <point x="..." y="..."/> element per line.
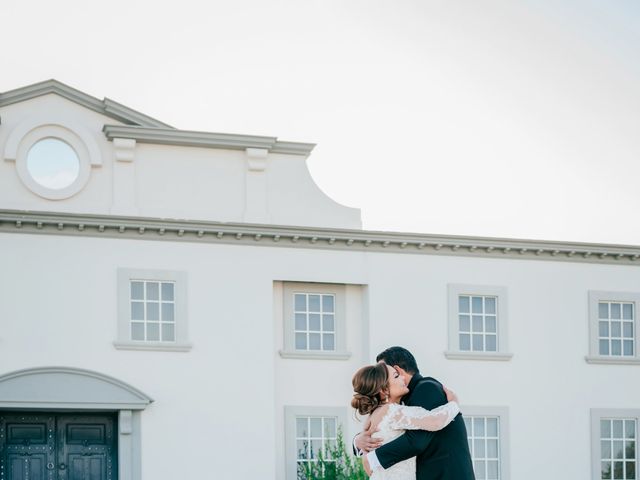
<point x="53" y="164"/>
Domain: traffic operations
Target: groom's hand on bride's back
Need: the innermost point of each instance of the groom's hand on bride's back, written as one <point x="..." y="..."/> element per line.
<point x="364" y="440"/>
<point x="451" y="395"/>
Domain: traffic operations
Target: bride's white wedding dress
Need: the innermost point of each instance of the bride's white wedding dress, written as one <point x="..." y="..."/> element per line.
<point x="399" y="418"/>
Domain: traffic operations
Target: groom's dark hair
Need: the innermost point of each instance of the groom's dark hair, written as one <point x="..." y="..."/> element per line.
<point x="401" y="357"/>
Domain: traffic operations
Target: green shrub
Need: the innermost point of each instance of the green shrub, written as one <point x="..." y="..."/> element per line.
<point x="339" y="464"/>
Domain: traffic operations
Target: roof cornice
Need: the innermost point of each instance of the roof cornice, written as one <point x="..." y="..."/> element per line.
<point x="189" y="138"/>
<point x="145" y="129"/>
<point x="106" y="107"/>
<point x="146" y="228"/>
<point x="117" y="110"/>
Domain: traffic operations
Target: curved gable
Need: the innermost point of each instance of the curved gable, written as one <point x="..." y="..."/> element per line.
<point x="65" y="387"/>
<point x="217" y="177"/>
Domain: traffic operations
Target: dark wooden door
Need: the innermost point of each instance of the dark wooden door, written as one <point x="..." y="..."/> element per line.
<point x="41" y="446"/>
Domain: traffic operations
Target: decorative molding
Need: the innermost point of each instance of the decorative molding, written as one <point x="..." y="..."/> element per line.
<point x="49" y="124"/>
<point x="123" y="340"/>
<point x="105" y="107"/>
<point x="339" y="291"/>
<point x="594" y="299"/>
<point x="301" y="355"/>
<point x="146" y="129"/>
<point x="600" y="359"/>
<point x="117" y="110"/>
<point x="454" y="290"/>
<point x="597" y="415"/>
<point x="257" y="159"/>
<point x="125" y="422"/>
<point x="187" y="138"/>
<point x="294" y="148"/>
<point x="490" y="356"/>
<point x="78" y="388"/>
<point x="84" y="390"/>
<point x="124" y="149"/>
<point x="110" y="226"/>
<point x="34" y="129"/>
<point x="153" y="346"/>
<point x="504" y="435"/>
<point x="290" y="443"/>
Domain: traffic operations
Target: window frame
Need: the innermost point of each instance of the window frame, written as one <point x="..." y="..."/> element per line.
<point x="290" y="415"/>
<point x="123" y="340"/>
<point x="595" y="297"/>
<point x="340" y="321"/>
<point x="598" y="414"/>
<point x="503" y="432"/>
<point x="501" y="293"/>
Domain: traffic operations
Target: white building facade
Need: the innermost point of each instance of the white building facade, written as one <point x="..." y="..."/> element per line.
<point x="181" y="304"/>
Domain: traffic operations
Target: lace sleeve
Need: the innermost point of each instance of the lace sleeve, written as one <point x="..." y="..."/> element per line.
<point x="418" y="418"/>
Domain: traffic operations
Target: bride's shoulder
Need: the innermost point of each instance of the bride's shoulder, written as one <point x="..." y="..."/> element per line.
<point x="380" y="412"/>
<point x="383" y="410"/>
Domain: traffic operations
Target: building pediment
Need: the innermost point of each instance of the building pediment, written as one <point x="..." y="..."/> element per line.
<point x="68" y="388"/>
<point x="106" y="106"/>
<point x="64" y="150"/>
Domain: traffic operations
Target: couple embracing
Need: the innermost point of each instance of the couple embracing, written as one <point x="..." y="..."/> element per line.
<point x="414" y="430"/>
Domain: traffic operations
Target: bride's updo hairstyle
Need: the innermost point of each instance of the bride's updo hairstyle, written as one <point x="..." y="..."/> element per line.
<point x="368" y="384"/>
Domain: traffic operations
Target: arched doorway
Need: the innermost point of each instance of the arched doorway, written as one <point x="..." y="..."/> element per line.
<point x="62" y="422"/>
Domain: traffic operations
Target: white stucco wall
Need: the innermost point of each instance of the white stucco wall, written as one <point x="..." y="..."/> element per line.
<point x="224" y="401"/>
<point x="228" y="393"/>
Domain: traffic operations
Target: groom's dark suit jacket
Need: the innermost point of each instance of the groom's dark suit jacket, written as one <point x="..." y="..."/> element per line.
<point x="442" y="455"/>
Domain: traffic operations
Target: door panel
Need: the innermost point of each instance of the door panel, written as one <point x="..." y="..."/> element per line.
<point x="86" y="445"/>
<point x="87" y="468"/>
<point x="41" y="446"/>
<point x="27" y="446"/>
<point x="32" y="467"/>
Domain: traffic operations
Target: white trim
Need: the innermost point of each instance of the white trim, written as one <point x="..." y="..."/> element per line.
<point x="83" y="390"/>
<point x="147" y="228"/>
<point x="153" y="346"/>
<point x="18" y="134"/>
<point x="123" y="340"/>
<point x="340" y="318"/>
<point x="105" y="107"/>
<point x="502" y="314"/>
<point x="290" y="414"/>
<point x="76" y="388"/>
<point x="124" y="149"/>
<point x="598" y="414"/>
<point x="188" y="138"/>
<point x="503" y="432"/>
<point x="34" y="129"/>
<point x="315" y="355"/>
<point x="594" y="356"/>
<point x="495" y="356"/>
<point x="602" y="360"/>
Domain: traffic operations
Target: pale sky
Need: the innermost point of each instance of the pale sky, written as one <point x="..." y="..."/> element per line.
<point x="53" y="163"/>
<point x="487" y="118"/>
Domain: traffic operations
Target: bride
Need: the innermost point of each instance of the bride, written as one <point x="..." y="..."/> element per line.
<point x="378" y="391"/>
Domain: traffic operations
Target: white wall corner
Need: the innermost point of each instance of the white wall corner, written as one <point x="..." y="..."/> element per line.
<point x="124" y="149"/>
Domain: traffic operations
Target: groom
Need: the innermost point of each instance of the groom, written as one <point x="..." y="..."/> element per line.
<point x="442" y="455"/>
